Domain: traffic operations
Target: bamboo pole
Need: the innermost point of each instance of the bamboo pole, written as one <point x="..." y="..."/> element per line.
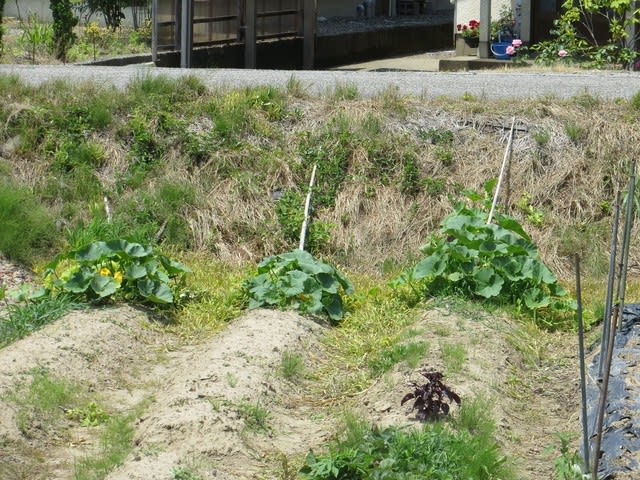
<point x="602" y="403"/>
<point x="307" y="204"/>
<point x="507" y="155"/>
<point x="583" y="379"/>
<point x="608" y="302"/>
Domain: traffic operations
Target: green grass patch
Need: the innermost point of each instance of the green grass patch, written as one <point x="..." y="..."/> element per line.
<point x="27" y="230"/>
<point x="116" y="442"/>
<point x="23" y="319"/>
<point x="411" y="353"/>
<point x="216" y="295"/>
<point x="453" y="356"/>
<point x="42" y="400"/>
<point x="378" y="321"/>
<point x="437" y="451"/>
<point x="291" y="366"/>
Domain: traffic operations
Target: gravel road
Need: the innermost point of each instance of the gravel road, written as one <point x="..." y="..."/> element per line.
<point x="483" y="84"/>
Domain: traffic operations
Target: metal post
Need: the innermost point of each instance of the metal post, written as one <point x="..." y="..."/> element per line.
<point x="309" y="35"/>
<point x="154" y="31"/>
<point x="608" y="302"/>
<point x="250" y="34"/>
<point x="186" y="37"/>
<point x="626" y="240"/>
<point x="583" y="379"/>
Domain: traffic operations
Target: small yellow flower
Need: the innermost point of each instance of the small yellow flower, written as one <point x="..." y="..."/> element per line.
<point x="118" y="277"/>
<point x="105" y="272"/>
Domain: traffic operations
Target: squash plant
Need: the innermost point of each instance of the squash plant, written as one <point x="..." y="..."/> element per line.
<point x="130" y="271"/>
<point x="297" y="280"/>
<point x="497" y="261"/>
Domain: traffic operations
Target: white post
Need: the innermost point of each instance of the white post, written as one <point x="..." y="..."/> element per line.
<point x="507" y="155"/>
<point x="307" y="204"/>
<point x="484" y="47"/>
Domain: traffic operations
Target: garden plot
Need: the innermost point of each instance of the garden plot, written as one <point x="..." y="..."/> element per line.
<point x="220" y="408"/>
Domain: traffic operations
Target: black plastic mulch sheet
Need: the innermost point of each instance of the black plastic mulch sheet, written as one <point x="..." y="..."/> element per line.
<point x="621" y="431"/>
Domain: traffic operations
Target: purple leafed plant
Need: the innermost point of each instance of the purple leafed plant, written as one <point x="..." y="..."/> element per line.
<point x="431" y="398"/>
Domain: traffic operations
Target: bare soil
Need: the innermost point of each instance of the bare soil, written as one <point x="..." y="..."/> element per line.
<point x="194" y="396"/>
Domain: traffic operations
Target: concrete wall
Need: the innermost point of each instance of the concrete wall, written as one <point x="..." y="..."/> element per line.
<point x="330" y="50"/>
<point x="355" y="47"/>
<point x="347" y="8"/>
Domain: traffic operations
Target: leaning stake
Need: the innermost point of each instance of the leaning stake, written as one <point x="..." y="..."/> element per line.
<point x="307" y="204"/>
<point x="626" y="240"/>
<point x="507" y="155"/>
<point x="583" y="380"/>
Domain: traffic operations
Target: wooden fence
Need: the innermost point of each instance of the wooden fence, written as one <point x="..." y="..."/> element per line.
<point x="214" y="22"/>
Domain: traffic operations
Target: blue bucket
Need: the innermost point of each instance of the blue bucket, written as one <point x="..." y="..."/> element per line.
<point x="499" y="50"/>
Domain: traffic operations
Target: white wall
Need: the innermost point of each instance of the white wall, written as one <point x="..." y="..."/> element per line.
<point x="466" y="10"/>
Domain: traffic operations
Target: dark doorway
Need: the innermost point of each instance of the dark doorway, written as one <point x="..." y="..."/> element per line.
<point x="543" y="13"/>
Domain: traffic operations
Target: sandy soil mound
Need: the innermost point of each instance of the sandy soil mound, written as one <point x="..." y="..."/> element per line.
<point x="203" y="402"/>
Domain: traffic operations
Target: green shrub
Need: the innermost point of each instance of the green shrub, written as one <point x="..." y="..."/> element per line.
<point x="299" y="281"/>
<point x="63" y="23"/>
<point x="27" y="231"/>
<point x="1" y="26"/>
<point x="492" y="261"/>
<point x="120" y="269"/>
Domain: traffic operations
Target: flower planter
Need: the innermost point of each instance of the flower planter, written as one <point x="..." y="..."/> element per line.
<point x="466" y="47"/>
<point x="499" y="50"/>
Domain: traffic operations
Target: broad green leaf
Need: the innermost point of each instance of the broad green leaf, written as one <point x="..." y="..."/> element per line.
<point x="172" y="267"/>
<point x="535" y="298"/>
<point x="344" y="282"/>
<point x="513" y="225"/>
<point x="488" y="283"/>
<point x="135" y="272"/>
<point x="135" y="250"/>
<point x="155" y="291"/>
<point x="294" y="283"/>
<point x="92" y="252"/>
<point x="103" y="285"/>
<point x="557" y="290"/>
<point x="431" y="266"/>
<point x="333" y="306"/>
<point x="253" y="303"/>
<point x="455" y="277"/>
<point x="457" y="223"/>
<point x="79" y="281"/>
<point x="510" y="268"/>
<point x="152" y="267"/>
<point x="119" y="246"/>
<point x="328" y="282"/>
